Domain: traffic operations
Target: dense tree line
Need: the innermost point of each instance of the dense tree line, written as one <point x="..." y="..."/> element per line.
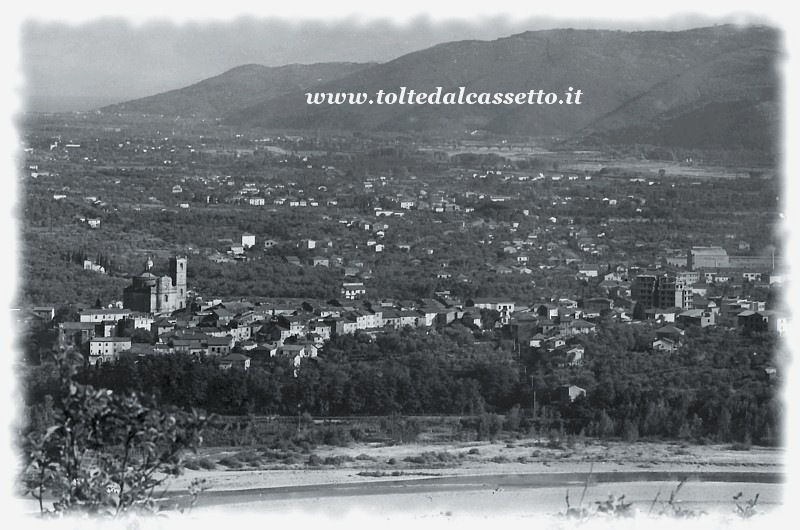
<point x="715" y="388"/>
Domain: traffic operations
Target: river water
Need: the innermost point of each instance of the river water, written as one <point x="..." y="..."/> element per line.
<point x="506" y="495"/>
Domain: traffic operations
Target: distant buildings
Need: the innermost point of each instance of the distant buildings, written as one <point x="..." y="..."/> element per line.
<point x="762" y="321"/>
<point x="502" y="305"/>
<point x="718" y="258"/>
<point x="569" y="393"/>
<point x="353" y="290"/>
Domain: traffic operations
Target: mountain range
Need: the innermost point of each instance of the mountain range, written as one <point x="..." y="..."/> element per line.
<point x="713" y="87"/>
<point x="236" y="89"/>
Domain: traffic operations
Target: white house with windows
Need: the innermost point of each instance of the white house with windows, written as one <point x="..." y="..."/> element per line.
<point x="104" y="315"/>
<point x="502" y="305"/>
<point x="248" y="240"/>
<point x="105" y="349"/>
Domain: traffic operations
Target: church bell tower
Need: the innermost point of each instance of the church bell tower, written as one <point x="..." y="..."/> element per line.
<point x="177" y="271"/>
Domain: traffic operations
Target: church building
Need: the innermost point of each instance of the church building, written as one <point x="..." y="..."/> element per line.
<point x="157" y="295"/>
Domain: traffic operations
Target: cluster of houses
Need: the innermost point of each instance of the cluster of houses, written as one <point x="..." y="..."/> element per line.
<point x="295" y="328"/>
<point x="237" y="331"/>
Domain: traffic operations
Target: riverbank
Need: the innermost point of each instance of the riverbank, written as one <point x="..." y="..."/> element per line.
<point x="517" y="478"/>
<point x="473" y="480"/>
<point x="376" y="462"/>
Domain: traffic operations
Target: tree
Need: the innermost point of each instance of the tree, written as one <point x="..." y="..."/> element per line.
<point x="605" y="425"/>
<point x="139" y="335"/>
<point x="724" y="424"/>
<point x="489" y="318"/>
<point x="106" y="452"/>
<point x="630" y="432"/>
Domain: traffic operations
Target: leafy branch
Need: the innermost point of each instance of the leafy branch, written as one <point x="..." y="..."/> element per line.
<point x="106" y="453"/>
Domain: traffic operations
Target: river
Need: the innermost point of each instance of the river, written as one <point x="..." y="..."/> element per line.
<point x="504" y="494"/>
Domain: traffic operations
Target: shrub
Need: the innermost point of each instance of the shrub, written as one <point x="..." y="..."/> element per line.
<point x="746" y="509"/>
<point x="306" y="419"/>
<point x="337" y="435"/>
<point x="248" y="457"/>
<point x="489" y="426"/>
<point x="673" y="508"/>
<point x="430" y="458"/>
<point x="105" y="453"/>
<point x="357" y="434"/>
<point x="337" y="460"/>
<point x="555" y="439"/>
<point x="231" y="462"/>
<point x="371" y="474"/>
<point x="513" y="419"/>
<point x="193" y="465"/>
<point x="206" y="464"/>
<point x="400" y="430"/>
<point x="630" y="431"/>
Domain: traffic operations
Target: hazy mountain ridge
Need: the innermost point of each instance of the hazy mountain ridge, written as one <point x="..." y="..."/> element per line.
<point x="731" y="100"/>
<point x="698" y="87"/>
<point x="235" y="89"/>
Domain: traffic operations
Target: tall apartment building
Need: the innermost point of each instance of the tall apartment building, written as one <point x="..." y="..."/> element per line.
<point x="662" y="291"/>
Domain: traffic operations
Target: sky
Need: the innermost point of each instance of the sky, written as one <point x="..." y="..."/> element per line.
<point x="77" y="66"/>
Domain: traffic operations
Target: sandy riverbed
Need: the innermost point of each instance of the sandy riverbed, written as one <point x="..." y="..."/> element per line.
<point x="513" y="479"/>
<point x="466" y="487"/>
<point x="482" y="458"/>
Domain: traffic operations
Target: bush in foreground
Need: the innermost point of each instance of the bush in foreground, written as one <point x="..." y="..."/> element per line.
<point x="105" y="453"/>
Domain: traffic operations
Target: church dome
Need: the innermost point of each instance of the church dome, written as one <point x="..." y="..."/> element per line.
<point x="145" y="279"/>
